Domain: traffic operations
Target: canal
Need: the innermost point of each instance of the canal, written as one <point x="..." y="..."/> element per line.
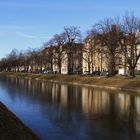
<point x="69" y="112"/>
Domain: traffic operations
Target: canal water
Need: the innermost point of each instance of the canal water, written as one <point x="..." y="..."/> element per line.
<point x="68" y="112"/>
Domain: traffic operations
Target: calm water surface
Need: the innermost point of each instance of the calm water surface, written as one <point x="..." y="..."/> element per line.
<point x="59" y="111"/>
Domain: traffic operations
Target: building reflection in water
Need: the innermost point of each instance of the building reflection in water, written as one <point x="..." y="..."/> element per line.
<point x="91" y="100"/>
<point x="94" y="102"/>
<point x="71" y="107"/>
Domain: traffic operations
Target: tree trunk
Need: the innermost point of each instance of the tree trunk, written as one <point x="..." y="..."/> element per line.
<point x="59" y="68"/>
<point x="112" y="65"/>
<point x="132" y="72"/>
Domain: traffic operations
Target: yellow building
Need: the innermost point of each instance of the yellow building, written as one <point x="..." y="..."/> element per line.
<point x="96" y="60"/>
<point x="93" y="59"/>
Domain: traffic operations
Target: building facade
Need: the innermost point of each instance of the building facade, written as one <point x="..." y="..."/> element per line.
<point x="59" y="60"/>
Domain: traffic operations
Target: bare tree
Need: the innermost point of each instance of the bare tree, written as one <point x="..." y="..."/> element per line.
<point x="48" y="53"/>
<point x="4" y="65"/>
<point x="130" y="42"/>
<point x="33" y="60"/>
<point x="59" y="50"/>
<point x="73" y="35"/>
<point x="12" y="60"/>
<point x="90" y="49"/>
<point x="109" y="36"/>
<point x="21" y="61"/>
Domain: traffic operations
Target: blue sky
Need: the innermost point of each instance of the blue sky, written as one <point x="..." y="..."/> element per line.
<point x="28" y="24"/>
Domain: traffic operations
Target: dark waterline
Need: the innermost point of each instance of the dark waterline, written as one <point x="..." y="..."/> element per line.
<point x="66" y="112"/>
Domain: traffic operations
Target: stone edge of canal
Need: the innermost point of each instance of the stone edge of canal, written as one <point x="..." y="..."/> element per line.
<point x="12" y="128"/>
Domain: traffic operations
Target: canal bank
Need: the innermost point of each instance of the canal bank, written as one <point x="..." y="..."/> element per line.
<point x="11" y="128"/>
<point x="117" y="82"/>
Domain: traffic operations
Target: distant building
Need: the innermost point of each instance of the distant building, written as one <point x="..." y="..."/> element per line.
<point x="57" y="57"/>
<point x="95" y="58"/>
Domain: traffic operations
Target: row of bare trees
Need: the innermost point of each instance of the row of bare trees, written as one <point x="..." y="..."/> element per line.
<point x="63" y="45"/>
<point x="53" y="52"/>
<point x="111" y="38"/>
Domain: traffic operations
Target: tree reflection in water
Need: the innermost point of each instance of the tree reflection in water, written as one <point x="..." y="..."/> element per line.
<point x="77" y="112"/>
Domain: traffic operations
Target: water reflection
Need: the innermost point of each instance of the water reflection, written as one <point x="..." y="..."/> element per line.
<point x="74" y="112"/>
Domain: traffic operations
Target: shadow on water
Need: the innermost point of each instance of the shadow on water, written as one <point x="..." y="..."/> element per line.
<point x="55" y="110"/>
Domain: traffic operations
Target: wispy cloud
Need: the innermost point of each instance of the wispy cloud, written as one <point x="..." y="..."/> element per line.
<point x="16" y="4"/>
<point x="50" y="5"/>
<point x="68" y="5"/>
<point x="16" y="27"/>
<point x="47" y="5"/>
<point x="26" y="35"/>
<point x="21" y="4"/>
<point x="18" y="31"/>
<point x="29" y="36"/>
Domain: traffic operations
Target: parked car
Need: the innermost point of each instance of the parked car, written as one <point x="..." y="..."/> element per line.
<point x="86" y="73"/>
<point x="48" y="72"/>
<point x="104" y="73"/>
<point x="96" y="73"/>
